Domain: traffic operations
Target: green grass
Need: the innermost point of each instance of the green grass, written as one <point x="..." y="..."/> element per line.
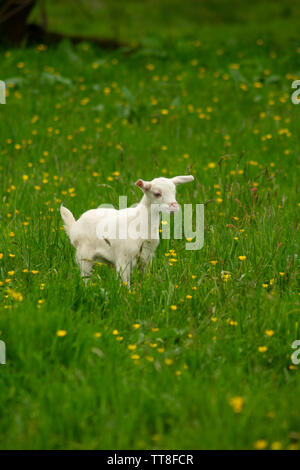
<point x="69" y="125"/>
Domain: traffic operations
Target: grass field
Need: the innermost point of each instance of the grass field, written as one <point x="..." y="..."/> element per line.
<point x="197" y="354"/>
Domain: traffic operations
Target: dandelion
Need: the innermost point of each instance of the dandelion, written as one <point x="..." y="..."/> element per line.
<point x="269" y="332"/>
<point x="213" y="262"/>
<point x="173" y="307"/>
<point x="98" y="334"/>
<point x="135" y="357"/>
<point x="242" y="258"/>
<point x="15" y="295"/>
<point x="150" y="67"/>
<point x="261" y="444"/>
<point x="131" y="347"/>
<point x="237" y="404"/>
<point x="150" y="358"/>
<point x="136" y="326"/>
<point x="262" y="349"/>
<point x="276" y="445"/>
<point x="61" y="333"/>
<point x="168" y="361"/>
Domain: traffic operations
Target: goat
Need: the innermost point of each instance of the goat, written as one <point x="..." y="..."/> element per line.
<point x="94" y="234"/>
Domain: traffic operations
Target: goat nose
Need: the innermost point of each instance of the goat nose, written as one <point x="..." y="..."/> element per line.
<point x="174" y="204"/>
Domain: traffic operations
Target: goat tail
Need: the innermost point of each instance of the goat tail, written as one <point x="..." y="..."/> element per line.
<point x="68" y="219"/>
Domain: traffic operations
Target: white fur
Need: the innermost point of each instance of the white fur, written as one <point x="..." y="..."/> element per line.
<point x="122" y="253"/>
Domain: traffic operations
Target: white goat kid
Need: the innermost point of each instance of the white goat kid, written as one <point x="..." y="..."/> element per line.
<point x="123" y="237"/>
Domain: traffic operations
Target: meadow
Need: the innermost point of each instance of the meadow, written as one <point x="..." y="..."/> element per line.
<point x="197" y="353"/>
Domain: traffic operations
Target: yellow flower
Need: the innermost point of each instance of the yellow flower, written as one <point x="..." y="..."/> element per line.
<point x="1" y="255"/>
<point x="168" y="361"/>
<point x="260" y="444"/>
<point x="178" y="373"/>
<point x="11" y="234"/>
<point x="269" y="332"/>
<point x="164" y="111"/>
<point x="281" y="274"/>
<point x="262" y="349"/>
<point x="15" y="295"/>
<point x="242" y="258"/>
<point x="213" y="319"/>
<point x="265" y="286"/>
<point x="173" y="307"/>
<point x="135" y="356"/>
<point x="61" y="333"/>
<point x="276" y="445"/>
<point x="150" y="67"/>
<point x="115" y="332"/>
<point x="213" y="262"/>
<point x="237" y="404"/>
<point x="212" y="165"/>
<point x="131" y="347"/>
<point x="98" y="334"/>
<point x="189" y="296"/>
<point x="136" y="326"/>
<point x="34" y="271"/>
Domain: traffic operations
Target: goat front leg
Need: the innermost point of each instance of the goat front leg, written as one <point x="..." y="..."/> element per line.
<point x="85" y="266"/>
<point x="123" y="268"/>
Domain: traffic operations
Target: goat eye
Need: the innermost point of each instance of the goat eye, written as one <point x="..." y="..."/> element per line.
<point x="157" y="194"/>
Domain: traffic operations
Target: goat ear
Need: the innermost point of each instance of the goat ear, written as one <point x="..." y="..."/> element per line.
<point x="144" y="185"/>
<point x="182" y="179"/>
